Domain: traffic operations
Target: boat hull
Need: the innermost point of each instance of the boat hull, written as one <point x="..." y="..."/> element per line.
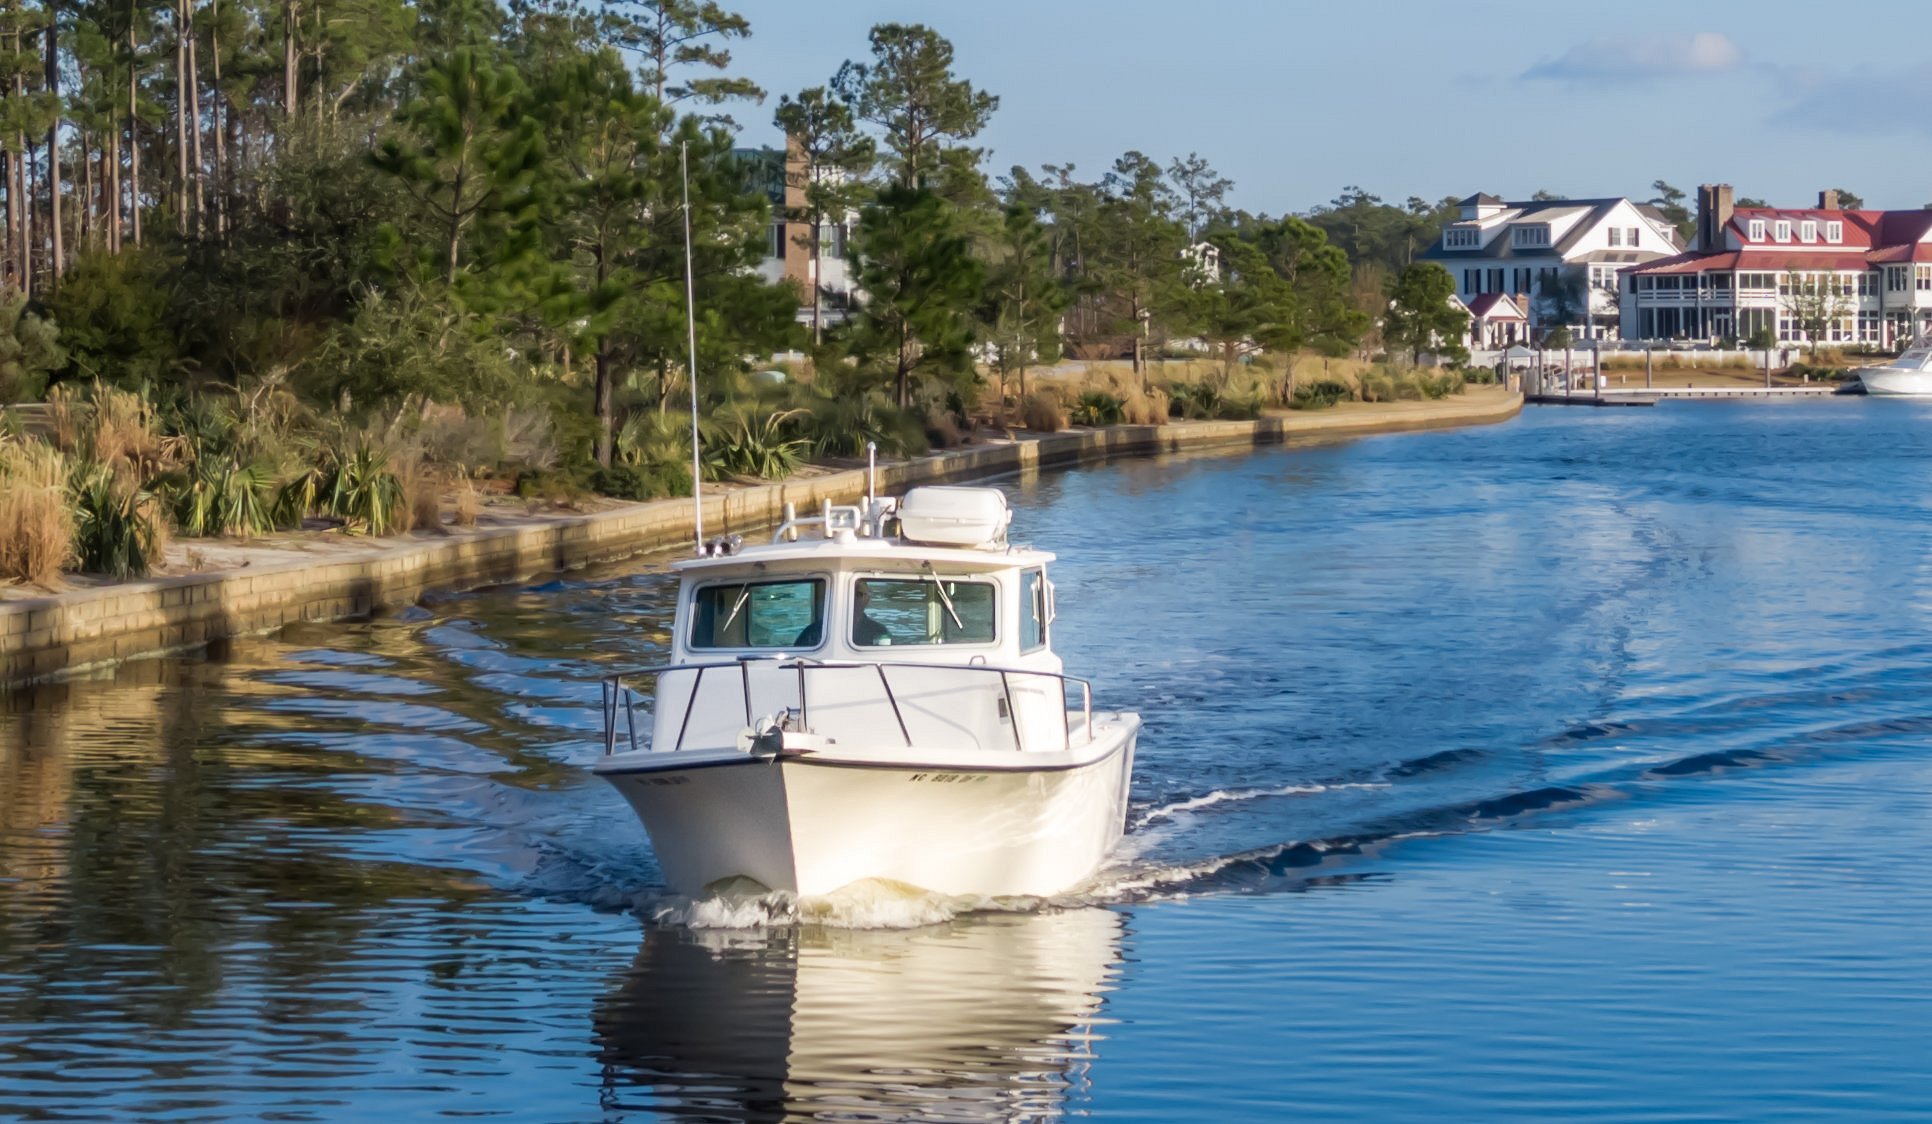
<point x="1889" y="382"/>
<point x="1018" y="824"/>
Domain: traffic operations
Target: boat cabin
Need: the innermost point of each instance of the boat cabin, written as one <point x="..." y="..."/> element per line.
<point x="1915" y="358"/>
<point x="915" y="623"/>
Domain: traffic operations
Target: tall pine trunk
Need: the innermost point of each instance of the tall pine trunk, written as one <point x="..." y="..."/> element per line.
<point x="194" y="117"/>
<point x="58" y="256"/>
<point x="8" y="162"/>
<point x="133" y="132"/>
<point x="29" y="191"/>
<point x="219" y="122"/>
<point x="181" y="118"/>
<point x="113" y="200"/>
<point x="605" y="391"/>
<point x="84" y="221"/>
<point x="291" y="22"/>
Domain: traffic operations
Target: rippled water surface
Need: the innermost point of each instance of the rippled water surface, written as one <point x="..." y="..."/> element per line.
<point x="1576" y="767"/>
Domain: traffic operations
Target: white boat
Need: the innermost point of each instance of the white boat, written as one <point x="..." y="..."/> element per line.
<point x="1908" y="376"/>
<point x="860" y="704"/>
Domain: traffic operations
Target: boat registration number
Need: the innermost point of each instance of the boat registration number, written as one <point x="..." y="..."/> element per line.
<point x="948" y="778"/>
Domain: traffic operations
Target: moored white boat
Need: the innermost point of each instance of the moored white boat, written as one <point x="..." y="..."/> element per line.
<point x="1908" y="376"/>
<point x="861" y="705"/>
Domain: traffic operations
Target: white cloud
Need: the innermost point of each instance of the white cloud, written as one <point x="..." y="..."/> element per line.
<point x="1660" y="56"/>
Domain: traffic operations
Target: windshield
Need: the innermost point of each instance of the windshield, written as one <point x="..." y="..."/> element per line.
<point x="924" y="610"/>
<point x="774" y="614"/>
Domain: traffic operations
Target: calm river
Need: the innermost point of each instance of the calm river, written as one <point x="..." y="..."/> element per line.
<point x="1579" y="767"/>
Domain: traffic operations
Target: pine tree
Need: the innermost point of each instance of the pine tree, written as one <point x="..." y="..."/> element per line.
<point x="826" y="158"/>
<point x="916" y="267"/>
<point x="926" y="113"/>
<point x="1024" y="297"/>
<point x="470" y="152"/>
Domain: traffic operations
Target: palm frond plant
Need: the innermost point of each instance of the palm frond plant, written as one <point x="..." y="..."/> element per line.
<point x="841" y="424"/>
<point x="740" y="442"/>
<point x="1097" y="407"/>
<point x="119" y="529"/>
<point x="365" y="494"/>
<point x="217" y="495"/>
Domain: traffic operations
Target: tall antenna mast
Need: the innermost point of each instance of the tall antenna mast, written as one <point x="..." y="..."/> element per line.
<point x="691" y="328"/>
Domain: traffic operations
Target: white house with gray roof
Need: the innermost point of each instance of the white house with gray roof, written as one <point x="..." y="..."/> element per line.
<point x="1559" y="260"/>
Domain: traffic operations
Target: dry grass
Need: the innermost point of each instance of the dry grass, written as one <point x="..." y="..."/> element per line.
<point x="67" y="418"/>
<point x="1043" y="412"/>
<point x="1674" y="361"/>
<point x="468" y="504"/>
<point x="125" y="438"/>
<point x="1144" y="407"/>
<point x="422" y="508"/>
<point x="36" y="520"/>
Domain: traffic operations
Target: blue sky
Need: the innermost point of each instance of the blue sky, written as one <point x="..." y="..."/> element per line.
<point x="1294" y="100"/>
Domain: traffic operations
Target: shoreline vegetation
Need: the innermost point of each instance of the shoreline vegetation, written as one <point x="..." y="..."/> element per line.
<point x="436" y="265"/>
<point x="257" y="586"/>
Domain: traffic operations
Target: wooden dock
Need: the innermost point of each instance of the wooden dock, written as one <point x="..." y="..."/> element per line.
<point x="1589" y="400"/>
<point x="1650" y="396"/>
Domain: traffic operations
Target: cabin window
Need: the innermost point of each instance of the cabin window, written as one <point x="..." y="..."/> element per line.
<point x="903" y="612"/>
<point x="769" y="614"/>
<point x="1033" y="610"/>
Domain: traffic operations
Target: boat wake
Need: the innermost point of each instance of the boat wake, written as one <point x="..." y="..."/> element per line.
<point x="870" y="904"/>
<point x="1231" y="796"/>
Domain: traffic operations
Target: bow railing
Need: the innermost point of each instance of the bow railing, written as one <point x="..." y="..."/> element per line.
<point x="621" y="701"/>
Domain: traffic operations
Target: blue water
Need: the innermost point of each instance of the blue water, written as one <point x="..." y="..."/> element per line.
<point x="1570" y="768"/>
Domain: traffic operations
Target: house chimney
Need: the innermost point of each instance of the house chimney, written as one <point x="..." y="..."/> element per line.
<point x="1828" y="199"/>
<point x="1714" y="209"/>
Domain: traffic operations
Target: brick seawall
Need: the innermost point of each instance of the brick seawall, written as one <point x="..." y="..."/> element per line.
<point x="75" y="630"/>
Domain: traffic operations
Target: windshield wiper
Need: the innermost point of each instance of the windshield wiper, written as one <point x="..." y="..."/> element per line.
<point x="743" y="596"/>
<point x="945" y="600"/>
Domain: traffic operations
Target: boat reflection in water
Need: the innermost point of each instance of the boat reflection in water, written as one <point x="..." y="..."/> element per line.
<point x="992" y="1017"/>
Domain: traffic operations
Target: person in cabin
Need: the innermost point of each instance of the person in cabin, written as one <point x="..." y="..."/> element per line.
<point x="866" y="632"/>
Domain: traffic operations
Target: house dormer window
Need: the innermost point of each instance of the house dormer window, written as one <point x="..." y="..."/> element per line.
<point x="1538" y="235"/>
<point x="1757" y="230"/>
<point x="1834" y="232"/>
<point x="1807" y="231"/>
<point x="1616" y="236"/>
<point x="1781" y="231"/>
<point x="1460" y="238"/>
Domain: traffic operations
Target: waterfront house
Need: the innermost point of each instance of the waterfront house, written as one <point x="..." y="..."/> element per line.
<point x="1852" y="277"/>
<point x="1559" y="261"/>
<point x="780" y="176"/>
<point x="1495" y="321"/>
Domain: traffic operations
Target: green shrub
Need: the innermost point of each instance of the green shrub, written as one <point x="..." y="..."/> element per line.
<point x="1195" y="401"/>
<point x="1238" y="407"/>
<point x="1097" y="407"/>
<point x="119" y="530"/>
<point x="626" y="482"/>
<point x="747" y="442"/>
<point x="351" y="484"/>
<point x="842" y="424"/>
<point x="218" y="496"/>
<point x="1319" y="395"/>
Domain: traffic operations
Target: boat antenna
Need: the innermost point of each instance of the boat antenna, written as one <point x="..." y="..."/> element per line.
<point x="691" y="330"/>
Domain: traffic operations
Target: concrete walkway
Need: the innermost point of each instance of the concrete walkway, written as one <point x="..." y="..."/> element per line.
<point x="62" y="633"/>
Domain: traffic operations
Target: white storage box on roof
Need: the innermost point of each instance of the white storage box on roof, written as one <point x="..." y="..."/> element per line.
<point x="942" y="516"/>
